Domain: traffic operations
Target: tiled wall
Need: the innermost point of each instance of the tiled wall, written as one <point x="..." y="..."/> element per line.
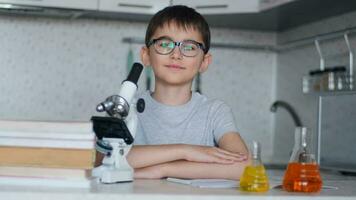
<point x="293" y="64"/>
<point x="59" y="69"/>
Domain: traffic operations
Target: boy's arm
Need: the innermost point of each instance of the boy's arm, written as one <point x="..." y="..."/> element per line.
<point x="192" y="170"/>
<point x="233" y="142"/>
<point x="147" y="155"/>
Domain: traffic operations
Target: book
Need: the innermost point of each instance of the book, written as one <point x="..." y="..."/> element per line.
<point x="42" y="172"/>
<point x="54" y="134"/>
<point x="45" y="177"/>
<point x="46" y="126"/>
<point x="47" y="157"/>
<point x="43" y="140"/>
<point x="45" y="182"/>
<point x="47" y="144"/>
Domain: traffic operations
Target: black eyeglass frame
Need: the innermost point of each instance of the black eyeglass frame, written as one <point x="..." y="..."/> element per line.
<point x="179" y="44"/>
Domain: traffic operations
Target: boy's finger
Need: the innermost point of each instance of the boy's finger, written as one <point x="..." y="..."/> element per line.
<point x="234" y="155"/>
<point x="238" y="154"/>
<point x="229" y="157"/>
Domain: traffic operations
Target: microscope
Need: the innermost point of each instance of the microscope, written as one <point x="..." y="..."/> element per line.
<point x="115" y="133"/>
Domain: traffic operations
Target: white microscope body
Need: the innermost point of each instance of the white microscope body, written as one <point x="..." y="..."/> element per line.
<point x="115" y="134"/>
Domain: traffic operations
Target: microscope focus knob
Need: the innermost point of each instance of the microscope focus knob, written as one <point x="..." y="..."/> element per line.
<point x="140" y="106"/>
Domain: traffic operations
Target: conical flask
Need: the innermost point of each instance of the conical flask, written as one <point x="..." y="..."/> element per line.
<point x="302" y="174"/>
<point x="254" y="177"/>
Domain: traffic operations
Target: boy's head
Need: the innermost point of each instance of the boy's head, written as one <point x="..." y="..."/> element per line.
<point x="183" y="17"/>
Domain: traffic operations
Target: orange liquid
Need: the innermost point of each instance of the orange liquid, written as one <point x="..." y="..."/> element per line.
<point x="302" y="177"/>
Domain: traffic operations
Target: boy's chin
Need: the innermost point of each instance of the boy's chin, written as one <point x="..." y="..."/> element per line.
<point x="176" y="81"/>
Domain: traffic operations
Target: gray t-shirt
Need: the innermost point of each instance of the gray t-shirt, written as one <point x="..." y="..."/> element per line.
<point x="200" y="122"/>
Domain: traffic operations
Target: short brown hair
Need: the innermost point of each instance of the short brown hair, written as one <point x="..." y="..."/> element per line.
<point x="185" y="17"/>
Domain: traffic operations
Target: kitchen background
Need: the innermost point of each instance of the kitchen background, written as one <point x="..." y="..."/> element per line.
<point x="61" y="68"/>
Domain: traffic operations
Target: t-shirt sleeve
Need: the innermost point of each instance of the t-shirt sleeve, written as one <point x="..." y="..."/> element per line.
<point x="223" y="122"/>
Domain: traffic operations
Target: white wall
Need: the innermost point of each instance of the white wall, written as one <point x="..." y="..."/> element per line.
<point x="59" y="69"/>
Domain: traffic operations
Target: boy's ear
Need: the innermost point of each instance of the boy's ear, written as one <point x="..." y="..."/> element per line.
<point x="145" y="57"/>
<point x="206" y="62"/>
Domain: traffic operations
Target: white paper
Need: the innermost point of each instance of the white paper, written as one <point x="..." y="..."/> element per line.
<point x="206" y="183"/>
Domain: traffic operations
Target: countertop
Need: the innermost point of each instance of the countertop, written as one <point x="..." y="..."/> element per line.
<point x="162" y="189"/>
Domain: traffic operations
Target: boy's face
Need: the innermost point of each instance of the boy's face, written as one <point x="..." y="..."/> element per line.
<point x="175" y="68"/>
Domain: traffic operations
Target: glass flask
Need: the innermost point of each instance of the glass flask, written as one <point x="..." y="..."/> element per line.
<point x="254" y="177"/>
<point x="302" y="174"/>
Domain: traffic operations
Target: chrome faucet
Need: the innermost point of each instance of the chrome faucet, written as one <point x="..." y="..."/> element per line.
<point x="290" y="110"/>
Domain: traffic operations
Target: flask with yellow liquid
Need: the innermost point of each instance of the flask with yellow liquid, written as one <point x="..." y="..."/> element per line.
<point x="254" y="177"/>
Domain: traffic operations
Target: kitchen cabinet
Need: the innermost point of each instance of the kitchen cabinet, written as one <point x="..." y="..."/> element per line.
<point x="202" y="6"/>
<point x="72" y="4"/>
<point x="133" y="6"/>
<point x="262" y="15"/>
<point x="268" y="4"/>
<point x="222" y="6"/>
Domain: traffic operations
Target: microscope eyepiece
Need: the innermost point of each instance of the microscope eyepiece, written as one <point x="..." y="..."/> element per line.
<point x="135" y="73"/>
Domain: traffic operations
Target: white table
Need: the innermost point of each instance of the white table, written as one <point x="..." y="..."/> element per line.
<point x="164" y="190"/>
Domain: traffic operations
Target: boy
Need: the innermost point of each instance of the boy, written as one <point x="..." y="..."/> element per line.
<point x="183" y="134"/>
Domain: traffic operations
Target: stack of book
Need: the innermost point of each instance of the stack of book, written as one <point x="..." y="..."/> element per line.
<point x="46" y="153"/>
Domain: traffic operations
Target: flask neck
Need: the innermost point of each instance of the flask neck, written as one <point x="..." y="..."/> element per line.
<point x="256" y="153"/>
<point x="257" y="161"/>
<point x="301" y="145"/>
<point x="301" y="138"/>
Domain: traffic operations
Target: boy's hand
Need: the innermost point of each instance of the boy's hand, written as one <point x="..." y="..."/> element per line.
<point x="207" y="154"/>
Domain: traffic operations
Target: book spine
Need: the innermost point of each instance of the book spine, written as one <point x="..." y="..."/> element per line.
<point x="47" y="135"/>
<point x="44" y="182"/>
<point x="47" y="157"/>
<point x="47" y="143"/>
<point x="45" y="172"/>
<point x="43" y="126"/>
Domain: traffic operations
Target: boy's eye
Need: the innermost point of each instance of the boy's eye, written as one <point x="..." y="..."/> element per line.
<point x="166" y="44"/>
<point x="189" y="47"/>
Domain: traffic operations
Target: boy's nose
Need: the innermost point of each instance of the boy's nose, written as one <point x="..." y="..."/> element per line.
<point x="176" y="53"/>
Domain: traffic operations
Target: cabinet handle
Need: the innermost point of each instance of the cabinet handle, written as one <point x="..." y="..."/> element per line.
<point x="134" y="5"/>
<point x="32" y="0"/>
<point x="211" y="6"/>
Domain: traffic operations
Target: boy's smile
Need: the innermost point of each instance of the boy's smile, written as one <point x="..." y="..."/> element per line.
<point x="175" y="67"/>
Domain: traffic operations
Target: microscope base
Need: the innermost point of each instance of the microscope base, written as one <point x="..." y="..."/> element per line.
<point x="107" y="174"/>
<point x="116" y="176"/>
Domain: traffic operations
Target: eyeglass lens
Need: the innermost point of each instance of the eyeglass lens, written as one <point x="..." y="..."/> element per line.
<point x="166" y="46"/>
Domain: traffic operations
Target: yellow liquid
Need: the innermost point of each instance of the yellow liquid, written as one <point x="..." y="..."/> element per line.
<point x="254" y="179"/>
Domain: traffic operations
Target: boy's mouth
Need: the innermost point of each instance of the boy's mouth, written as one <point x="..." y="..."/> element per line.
<point x="174" y="66"/>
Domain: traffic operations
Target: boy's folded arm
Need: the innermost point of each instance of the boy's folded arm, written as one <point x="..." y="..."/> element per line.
<point x="233" y="142"/>
<point x="147" y="155"/>
<point x="192" y="170"/>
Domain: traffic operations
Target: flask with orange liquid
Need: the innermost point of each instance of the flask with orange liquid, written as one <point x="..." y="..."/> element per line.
<point x="302" y="173"/>
<point x="254" y="178"/>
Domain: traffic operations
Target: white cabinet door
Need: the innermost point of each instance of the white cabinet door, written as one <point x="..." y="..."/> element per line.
<point x="268" y="4"/>
<point x="221" y="6"/>
<point x="133" y="6"/>
<point x="74" y="4"/>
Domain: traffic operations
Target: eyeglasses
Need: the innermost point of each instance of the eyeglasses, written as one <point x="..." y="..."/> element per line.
<point x="188" y="48"/>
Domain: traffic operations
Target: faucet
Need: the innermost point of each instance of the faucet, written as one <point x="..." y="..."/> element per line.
<point x="290" y="110"/>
